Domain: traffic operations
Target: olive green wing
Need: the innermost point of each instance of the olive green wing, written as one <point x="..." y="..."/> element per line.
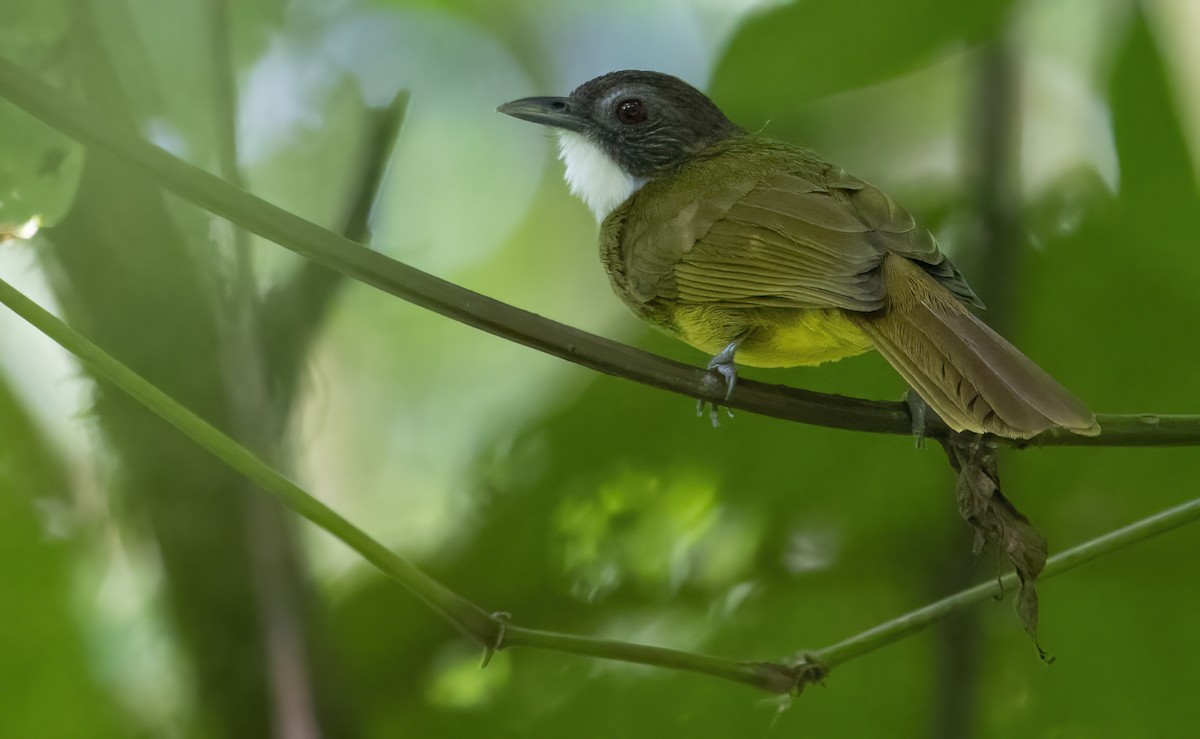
<point x="789" y="240"/>
<point x="898" y="233"/>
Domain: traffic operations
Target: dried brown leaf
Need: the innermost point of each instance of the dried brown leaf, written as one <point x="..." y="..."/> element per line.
<point x="997" y="521"/>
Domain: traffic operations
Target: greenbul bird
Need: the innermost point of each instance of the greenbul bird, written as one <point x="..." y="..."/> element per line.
<point x="758" y="251"/>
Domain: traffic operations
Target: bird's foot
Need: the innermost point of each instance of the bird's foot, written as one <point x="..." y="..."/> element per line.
<point x="918" y="411"/>
<point x="721" y="373"/>
<point x="714" y="411"/>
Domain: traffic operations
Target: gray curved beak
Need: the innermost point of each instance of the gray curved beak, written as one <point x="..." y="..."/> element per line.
<point x="547" y="111"/>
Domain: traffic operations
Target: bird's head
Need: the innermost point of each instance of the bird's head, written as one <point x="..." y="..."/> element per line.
<point x="618" y="131"/>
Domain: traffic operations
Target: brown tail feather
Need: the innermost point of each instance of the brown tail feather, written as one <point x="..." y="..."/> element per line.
<point x="973" y="378"/>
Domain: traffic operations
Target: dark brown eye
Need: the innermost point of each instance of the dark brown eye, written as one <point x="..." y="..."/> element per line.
<point x="631" y="112"/>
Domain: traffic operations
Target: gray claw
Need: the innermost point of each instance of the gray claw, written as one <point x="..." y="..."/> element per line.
<point x="728" y="372"/>
<point x="723" y="365"/>
<point x="723" y="370"/>
<point x="917" y="410"/>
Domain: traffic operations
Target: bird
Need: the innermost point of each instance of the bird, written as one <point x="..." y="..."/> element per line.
<point x="759" y="252"/>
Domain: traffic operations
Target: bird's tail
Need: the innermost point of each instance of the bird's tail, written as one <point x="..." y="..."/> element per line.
<point x="973" y="378"/>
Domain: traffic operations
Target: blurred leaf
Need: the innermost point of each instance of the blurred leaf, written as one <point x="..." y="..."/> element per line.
<point x="159" y="49"/>
<point x="126" y="273"/>
<point x="46" y="665"/>
<point x="1107" y="306"/>
<point x="33" y="30"/>
<point x="786" y="57"/>
<point x="39" y="171"/>
<point x="1158" y="186"/>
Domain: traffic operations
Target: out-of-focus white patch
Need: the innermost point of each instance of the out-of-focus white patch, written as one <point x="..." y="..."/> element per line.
<point x="1066" y="125"/>
<point x="733" y="599"/>
<point x="283" y="93"/>
<point x="680" y="37"/>
<point x="593" y="176"/>
<point x="21" y="232"/>
<point x="166" y="136"/>
<point x="29" y="229"/>
<point x="1176" y="24"/>
<point x="810" y="550"/>
<point x="44" y="376"/>
<point x="462" y="175"/>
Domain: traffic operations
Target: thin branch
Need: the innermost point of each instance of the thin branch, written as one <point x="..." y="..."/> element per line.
<point x="772" y="677"/>
<point x="383" y="131"/>
<point x="467" y="617"/>
<point x="523" y="327"/>
<point x="914" y="621"/>
<point x="493" y="631"/>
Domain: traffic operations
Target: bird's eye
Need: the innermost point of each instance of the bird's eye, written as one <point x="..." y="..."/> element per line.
<point x="631" y="111"/>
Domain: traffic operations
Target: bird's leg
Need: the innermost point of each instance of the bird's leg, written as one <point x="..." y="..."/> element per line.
<point x="918" y="410"/>
<point x="721" y="369"/>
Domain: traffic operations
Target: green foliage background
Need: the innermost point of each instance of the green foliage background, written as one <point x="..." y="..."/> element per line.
<point x="131" y="599"/>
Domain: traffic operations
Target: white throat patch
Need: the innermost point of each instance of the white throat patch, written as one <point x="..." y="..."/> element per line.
<point x="592" y="176"/>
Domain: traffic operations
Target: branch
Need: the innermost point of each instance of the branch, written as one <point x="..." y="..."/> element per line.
<point x="492" y="631"/>
<point x="914" y="621"/>
<point x="488" y="630"/>
<point x="514" y="324"/>
<point x="383" y="130"/>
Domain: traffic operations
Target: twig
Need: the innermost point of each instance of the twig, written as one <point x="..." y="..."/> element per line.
<point x="501" y="319"/>
<point x="383" y="130"/>
<point x="494" y="632"/>
<point x="914" y="621"/>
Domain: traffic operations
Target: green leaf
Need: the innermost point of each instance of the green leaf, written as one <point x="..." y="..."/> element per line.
<point x="39" y="171"/>
<point x="787" y="57"/>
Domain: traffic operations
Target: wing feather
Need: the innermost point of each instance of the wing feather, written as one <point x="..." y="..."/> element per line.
<point x="790" y="242"/>
<point x="808" y="235"/>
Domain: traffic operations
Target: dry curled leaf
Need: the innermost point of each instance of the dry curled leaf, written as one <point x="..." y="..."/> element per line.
<point x="997" y="521"/>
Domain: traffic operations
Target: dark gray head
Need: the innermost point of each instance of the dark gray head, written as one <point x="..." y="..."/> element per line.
<point x="645" y="122"/>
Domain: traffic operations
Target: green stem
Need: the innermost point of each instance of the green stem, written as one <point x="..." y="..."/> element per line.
<point x="914" y="621"/>
<point x="466" y="616"/>
<point x="772" y="677"/>
<point x="488" y="630"/>
<point x="514" y="324"/>
<point x="494" y="632"/>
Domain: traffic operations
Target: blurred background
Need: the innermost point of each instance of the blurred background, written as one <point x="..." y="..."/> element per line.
<point x="147" y="591"/>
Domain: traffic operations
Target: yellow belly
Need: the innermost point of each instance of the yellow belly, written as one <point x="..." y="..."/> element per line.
<point x="789" y="338"/>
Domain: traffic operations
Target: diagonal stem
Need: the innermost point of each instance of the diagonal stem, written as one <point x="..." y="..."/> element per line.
<point x="493" y="632"/>
<point x="914" y="621"/>
<point x="514" y="324"/>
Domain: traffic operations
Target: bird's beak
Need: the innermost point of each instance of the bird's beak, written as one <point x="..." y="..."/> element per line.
<point x="556" y="112"/>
